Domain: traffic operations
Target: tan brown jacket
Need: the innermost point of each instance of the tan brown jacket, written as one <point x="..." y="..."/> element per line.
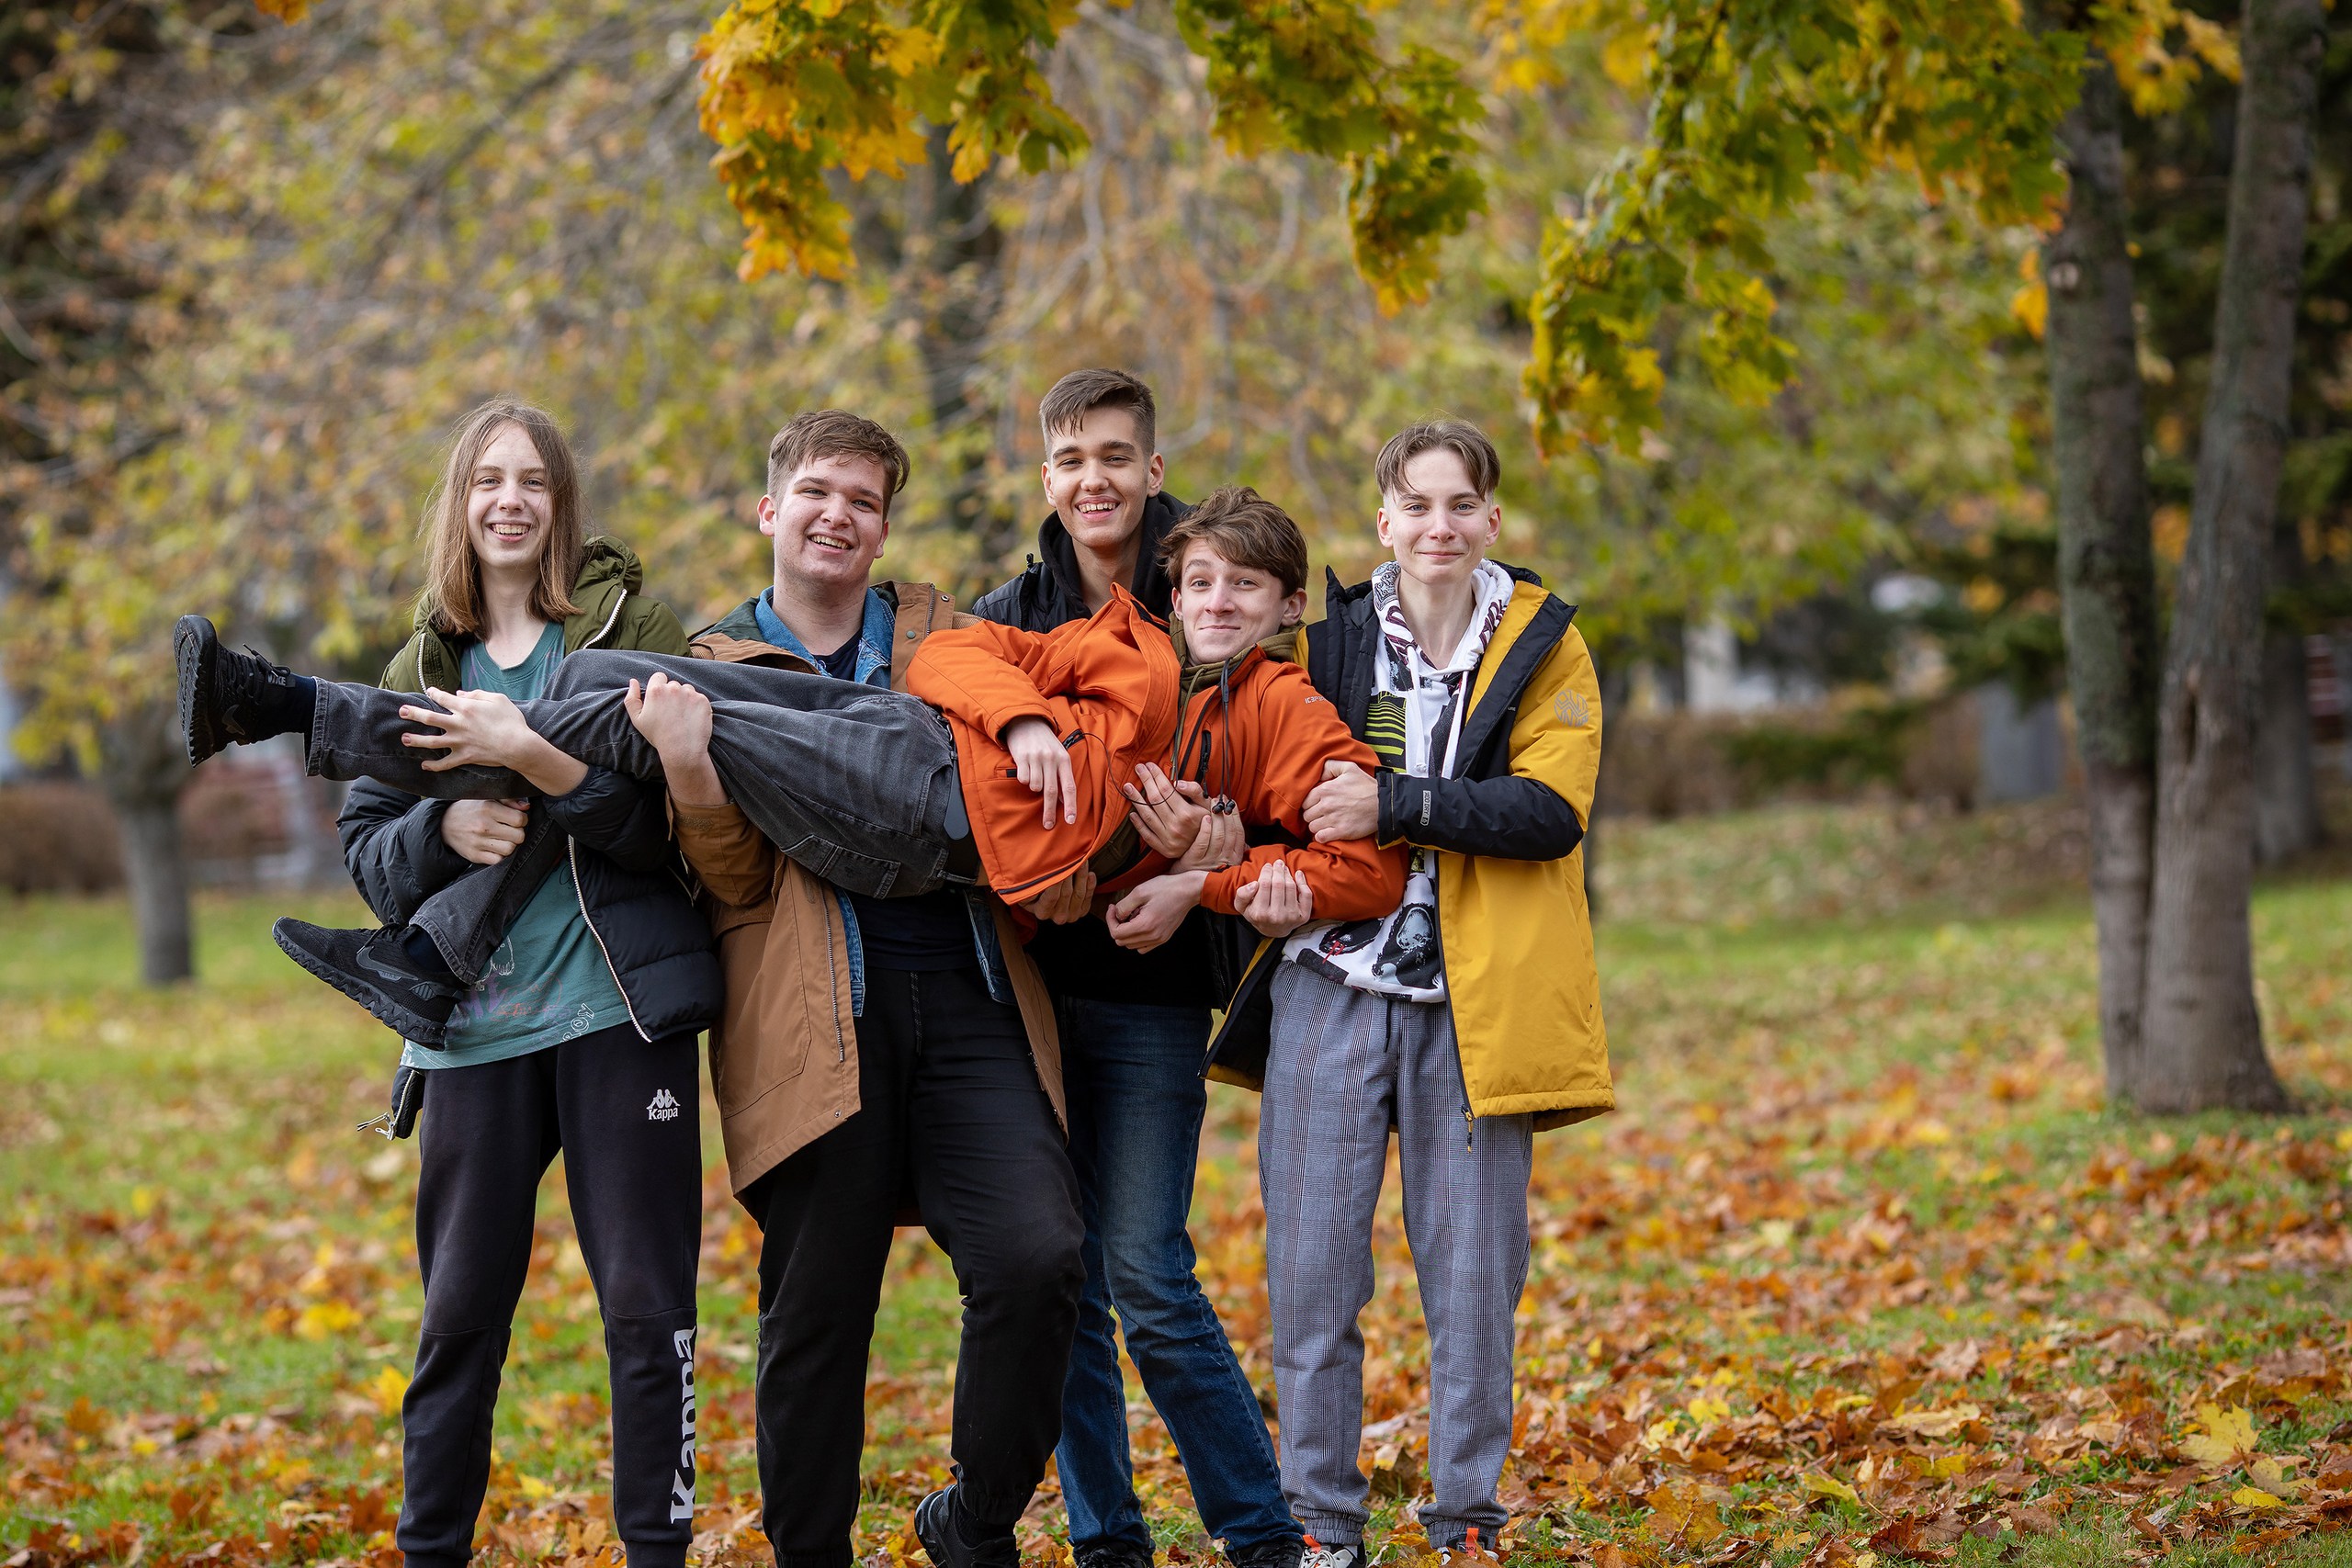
<point x="784" y="1053"/>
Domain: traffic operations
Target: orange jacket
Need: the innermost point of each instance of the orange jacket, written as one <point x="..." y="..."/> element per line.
<point x="1109" y="684"/>
<point x="1262" y="734"/>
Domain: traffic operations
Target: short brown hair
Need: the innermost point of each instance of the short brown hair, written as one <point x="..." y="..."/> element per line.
<point x="1245" y="529"/>
<point x="835" y="433"/>
<point x="1080" y="392"/>
<point x="1460" y="437"/>
<point x="452" y="570"/>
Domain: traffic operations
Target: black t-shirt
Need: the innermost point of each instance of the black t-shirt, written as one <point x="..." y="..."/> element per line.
<point x="929" y="932"/>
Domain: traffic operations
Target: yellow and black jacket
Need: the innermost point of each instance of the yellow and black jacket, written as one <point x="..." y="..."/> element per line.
<point x="1508" y="829"/>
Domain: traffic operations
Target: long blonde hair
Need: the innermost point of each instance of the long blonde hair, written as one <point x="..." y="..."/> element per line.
<point x="452" y="572"/>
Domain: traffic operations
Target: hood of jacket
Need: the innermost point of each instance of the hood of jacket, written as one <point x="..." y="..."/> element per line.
<point x="1047" y="592"/>
<point x="1106" y="683"/>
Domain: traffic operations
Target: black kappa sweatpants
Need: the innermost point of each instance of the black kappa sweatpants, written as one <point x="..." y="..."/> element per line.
<point x="626" y="1115"/>
<point x="950" y="1110"/>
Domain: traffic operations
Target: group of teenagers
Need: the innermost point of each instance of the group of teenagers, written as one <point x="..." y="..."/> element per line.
<point x="958" y="898"/>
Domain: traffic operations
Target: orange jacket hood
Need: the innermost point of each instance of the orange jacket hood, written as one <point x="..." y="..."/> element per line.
<point x="1107" y="684"/>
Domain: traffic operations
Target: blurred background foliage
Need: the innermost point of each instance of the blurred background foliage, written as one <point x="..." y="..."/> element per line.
<point x="252" y="272"/>
<point x="337" y="237"/>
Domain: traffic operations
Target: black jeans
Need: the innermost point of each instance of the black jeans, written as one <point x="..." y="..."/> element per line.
<point x="626" y="1116"/>
<point x="951" y="1110"/>
<point x="856" y="782"/>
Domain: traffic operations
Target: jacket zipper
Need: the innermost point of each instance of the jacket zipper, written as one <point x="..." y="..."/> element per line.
<point x="572" y="851"/>
<point x="609" y="621"/>
<point x="833" y="984"/>
<point x="571" y="848"/>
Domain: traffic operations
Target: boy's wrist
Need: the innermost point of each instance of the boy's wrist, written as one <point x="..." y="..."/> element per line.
<point x="692" y="778"/>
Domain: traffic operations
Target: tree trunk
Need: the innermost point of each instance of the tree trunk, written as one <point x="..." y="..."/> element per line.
<point x="2202" y="1032"/>
<point x="1616" y="689"/>
<point x="2286" y="797"/>
<point x="958" y="252"/>
<point x="144" y="770"/>
<point x="156" y="869"/>
<point x="2105" y="570"/>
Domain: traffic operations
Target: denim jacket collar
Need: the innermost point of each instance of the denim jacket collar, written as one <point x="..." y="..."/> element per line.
<point x="873" y="638"/>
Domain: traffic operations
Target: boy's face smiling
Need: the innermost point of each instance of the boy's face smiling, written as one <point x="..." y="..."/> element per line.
<point x="828" y="521"/>
<point x="1227" y="608"/>
<point x="1437" y="523"/>
<point x="1098" y="476"/>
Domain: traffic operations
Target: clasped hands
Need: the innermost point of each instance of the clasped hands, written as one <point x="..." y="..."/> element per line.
<point x="486" y="729"/>
<point x="1177" y="820"/>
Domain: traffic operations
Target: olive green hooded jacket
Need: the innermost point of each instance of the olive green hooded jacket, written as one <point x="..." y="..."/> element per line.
<point x="614" y="612"/>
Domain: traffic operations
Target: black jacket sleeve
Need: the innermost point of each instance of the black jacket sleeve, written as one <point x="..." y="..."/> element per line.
<point x="626" y="819"/>
<point x="392" y="845"/>
<point x="1510" y="818"/>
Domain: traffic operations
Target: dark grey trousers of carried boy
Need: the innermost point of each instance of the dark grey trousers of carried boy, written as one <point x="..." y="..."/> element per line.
<point x="854" y="783"/>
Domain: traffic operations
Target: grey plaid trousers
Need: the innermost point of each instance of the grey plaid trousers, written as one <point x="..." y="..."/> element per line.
<point x="1345" y="1066"/>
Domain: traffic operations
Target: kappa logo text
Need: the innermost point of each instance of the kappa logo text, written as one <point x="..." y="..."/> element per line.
<point x="664" y="1106"/>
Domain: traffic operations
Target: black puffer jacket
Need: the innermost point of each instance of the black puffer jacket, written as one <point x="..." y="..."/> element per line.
<point x="632" y="883"/>
<point x="632" y="887"/>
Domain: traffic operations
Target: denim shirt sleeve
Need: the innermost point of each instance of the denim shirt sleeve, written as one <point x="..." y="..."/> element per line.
<point x="856" y="954"/>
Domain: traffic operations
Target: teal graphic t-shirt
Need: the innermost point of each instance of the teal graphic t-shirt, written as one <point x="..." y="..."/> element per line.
<point x="548" y="981"/>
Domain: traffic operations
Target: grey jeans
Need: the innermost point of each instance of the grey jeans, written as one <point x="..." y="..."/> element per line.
<point x="856" y="782"/>
<point x="1346" y="1066"/>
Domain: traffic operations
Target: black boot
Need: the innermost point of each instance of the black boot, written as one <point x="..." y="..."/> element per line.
<point x="229" y="696"/>
<point x="946" y="1532"/>
<point x="371" y="969"/>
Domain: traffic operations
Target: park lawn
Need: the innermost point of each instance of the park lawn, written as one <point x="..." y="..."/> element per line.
<point x="1864" y="1264"/>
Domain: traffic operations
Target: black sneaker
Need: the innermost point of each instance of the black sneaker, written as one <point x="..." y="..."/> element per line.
<point x="1124" y="1554"/>
<point x="1317" y="1555"/>
<point x="1284" y="1552"/>
<point x="939" y="1526"/>
<point x="370" y="968"/>
<point x="226" y="695"/>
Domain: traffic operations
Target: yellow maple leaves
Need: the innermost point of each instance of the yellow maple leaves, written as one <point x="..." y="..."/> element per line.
<point x="2222" y="1437"/>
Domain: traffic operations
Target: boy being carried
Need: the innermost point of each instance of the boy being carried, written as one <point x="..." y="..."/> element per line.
<point x="871" y="789"/>
<point x="1467" y="1019"/>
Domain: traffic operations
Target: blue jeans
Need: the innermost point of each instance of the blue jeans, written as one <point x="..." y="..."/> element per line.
<point x="1131" y="1074"/>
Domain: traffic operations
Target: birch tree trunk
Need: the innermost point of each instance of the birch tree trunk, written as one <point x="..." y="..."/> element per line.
<point x="2202" y="1032"/>
<point x="2105" y="570"/>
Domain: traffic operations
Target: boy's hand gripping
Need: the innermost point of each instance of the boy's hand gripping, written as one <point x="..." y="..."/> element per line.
<point x="1277" y="903"/>
<point x="1346" y="805"/>
<point x="1177" y="820"/>
<point x="1043" y="764"/>
<point x="676" y="718"/>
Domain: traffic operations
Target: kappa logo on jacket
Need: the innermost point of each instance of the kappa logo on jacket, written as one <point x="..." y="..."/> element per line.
<point x="664" y="1106"/>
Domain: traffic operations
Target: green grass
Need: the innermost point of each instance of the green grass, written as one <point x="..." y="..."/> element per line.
<point x="1857" y="1127"/>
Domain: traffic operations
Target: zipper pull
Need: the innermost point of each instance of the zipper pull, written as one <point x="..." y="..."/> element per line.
<point x="379" y="1124"/>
